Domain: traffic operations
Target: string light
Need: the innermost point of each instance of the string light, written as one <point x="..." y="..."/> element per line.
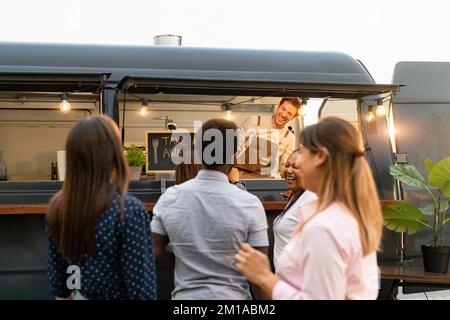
<point x="228" y="113"/>
<point x="380" y="110"/>
<point x="143" y="111"/>
<point x="64" y="105"/>
<point x="370" y="116"/>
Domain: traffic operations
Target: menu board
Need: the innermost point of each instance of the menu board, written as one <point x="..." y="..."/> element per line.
<point x="163" y="146"/>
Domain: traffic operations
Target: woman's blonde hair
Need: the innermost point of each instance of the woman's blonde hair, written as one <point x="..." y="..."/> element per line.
<point x="347" y="177"/>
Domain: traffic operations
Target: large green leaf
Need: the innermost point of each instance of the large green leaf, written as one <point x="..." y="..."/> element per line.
<point x="429" y="164"/>
<point x="446" y="189"/>
<point x="402" y="216"/>
<point x="407" y="174"/>
<point x="428" y="210"/>
<point x="440" y="176"/>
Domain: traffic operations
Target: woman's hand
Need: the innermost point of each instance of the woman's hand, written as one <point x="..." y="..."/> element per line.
<point x="254" y="265"/>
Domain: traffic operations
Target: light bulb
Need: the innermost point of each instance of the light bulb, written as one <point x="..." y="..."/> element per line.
<point x="64" y="106"/>
<point x="143" y="111"/>
<point x="229" y="115"/>
<point x="370" y="116"/>
<point x="380" y="111"/>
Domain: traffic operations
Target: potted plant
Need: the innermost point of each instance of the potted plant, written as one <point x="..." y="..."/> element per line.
<point x="136" y="159"/>
<point x="401" y="216"/>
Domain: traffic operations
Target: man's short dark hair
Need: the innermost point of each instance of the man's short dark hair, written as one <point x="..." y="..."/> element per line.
<point x="219" y="126"/>
<point x="294" y="101"/>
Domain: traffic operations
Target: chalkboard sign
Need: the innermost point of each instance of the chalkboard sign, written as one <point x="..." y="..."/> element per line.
<point x="163" y="146"/>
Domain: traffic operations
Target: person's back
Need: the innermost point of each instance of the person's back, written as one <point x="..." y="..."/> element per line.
<point x="99" y="238"/>
<point x="124" y="266"/>
<point x="206" y="219"/>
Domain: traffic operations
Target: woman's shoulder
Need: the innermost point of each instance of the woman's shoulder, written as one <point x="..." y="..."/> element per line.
<point x="134" y="211"/>
<point x="54" y="205"/>
<point x="337" y="221"/>
<point x="132" y="200"/>
<point x="335" y="214"/>
<point x="307" y="196"/>
<point x="131" y="203"/>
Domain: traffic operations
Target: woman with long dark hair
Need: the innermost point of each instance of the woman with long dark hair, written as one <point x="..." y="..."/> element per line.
<point x="332" y="254"/>
<point x="97" y="232"/>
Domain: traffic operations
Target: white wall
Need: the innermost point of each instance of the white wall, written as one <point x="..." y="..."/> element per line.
<point x="30" y="139"/>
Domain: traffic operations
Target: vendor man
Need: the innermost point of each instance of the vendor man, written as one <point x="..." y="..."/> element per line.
<point x="276" y="141"/>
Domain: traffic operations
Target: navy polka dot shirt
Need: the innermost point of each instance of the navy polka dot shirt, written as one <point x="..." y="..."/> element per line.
<point x="124" y="267"/>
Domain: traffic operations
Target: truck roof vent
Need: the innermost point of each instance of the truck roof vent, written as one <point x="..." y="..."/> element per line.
<point x="167" y="40"/>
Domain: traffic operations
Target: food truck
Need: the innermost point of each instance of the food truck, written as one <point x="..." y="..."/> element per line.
<point x="46" y="88"/>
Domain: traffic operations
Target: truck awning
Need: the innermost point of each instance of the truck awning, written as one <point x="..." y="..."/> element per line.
<point x="154" y="85"/>
<point x="53" y="82"/>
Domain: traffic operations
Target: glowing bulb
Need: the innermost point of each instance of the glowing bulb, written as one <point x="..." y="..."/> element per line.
<point x="370" y="116"/>
<point x="380" y="111"/>
<point x="229" y="115"/>
<point x="143" y="111"/>
<point x="64" y="106"/>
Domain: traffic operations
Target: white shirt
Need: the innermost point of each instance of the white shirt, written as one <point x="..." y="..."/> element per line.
<point x="285" y="223"/>
<point x="206" y="219"/>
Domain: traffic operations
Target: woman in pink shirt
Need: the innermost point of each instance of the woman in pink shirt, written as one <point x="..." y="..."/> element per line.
<point x="332" y="253"/>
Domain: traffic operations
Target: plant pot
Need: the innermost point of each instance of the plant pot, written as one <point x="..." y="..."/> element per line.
<point x="435" y="259"/>
<point x="135" y="173"/>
